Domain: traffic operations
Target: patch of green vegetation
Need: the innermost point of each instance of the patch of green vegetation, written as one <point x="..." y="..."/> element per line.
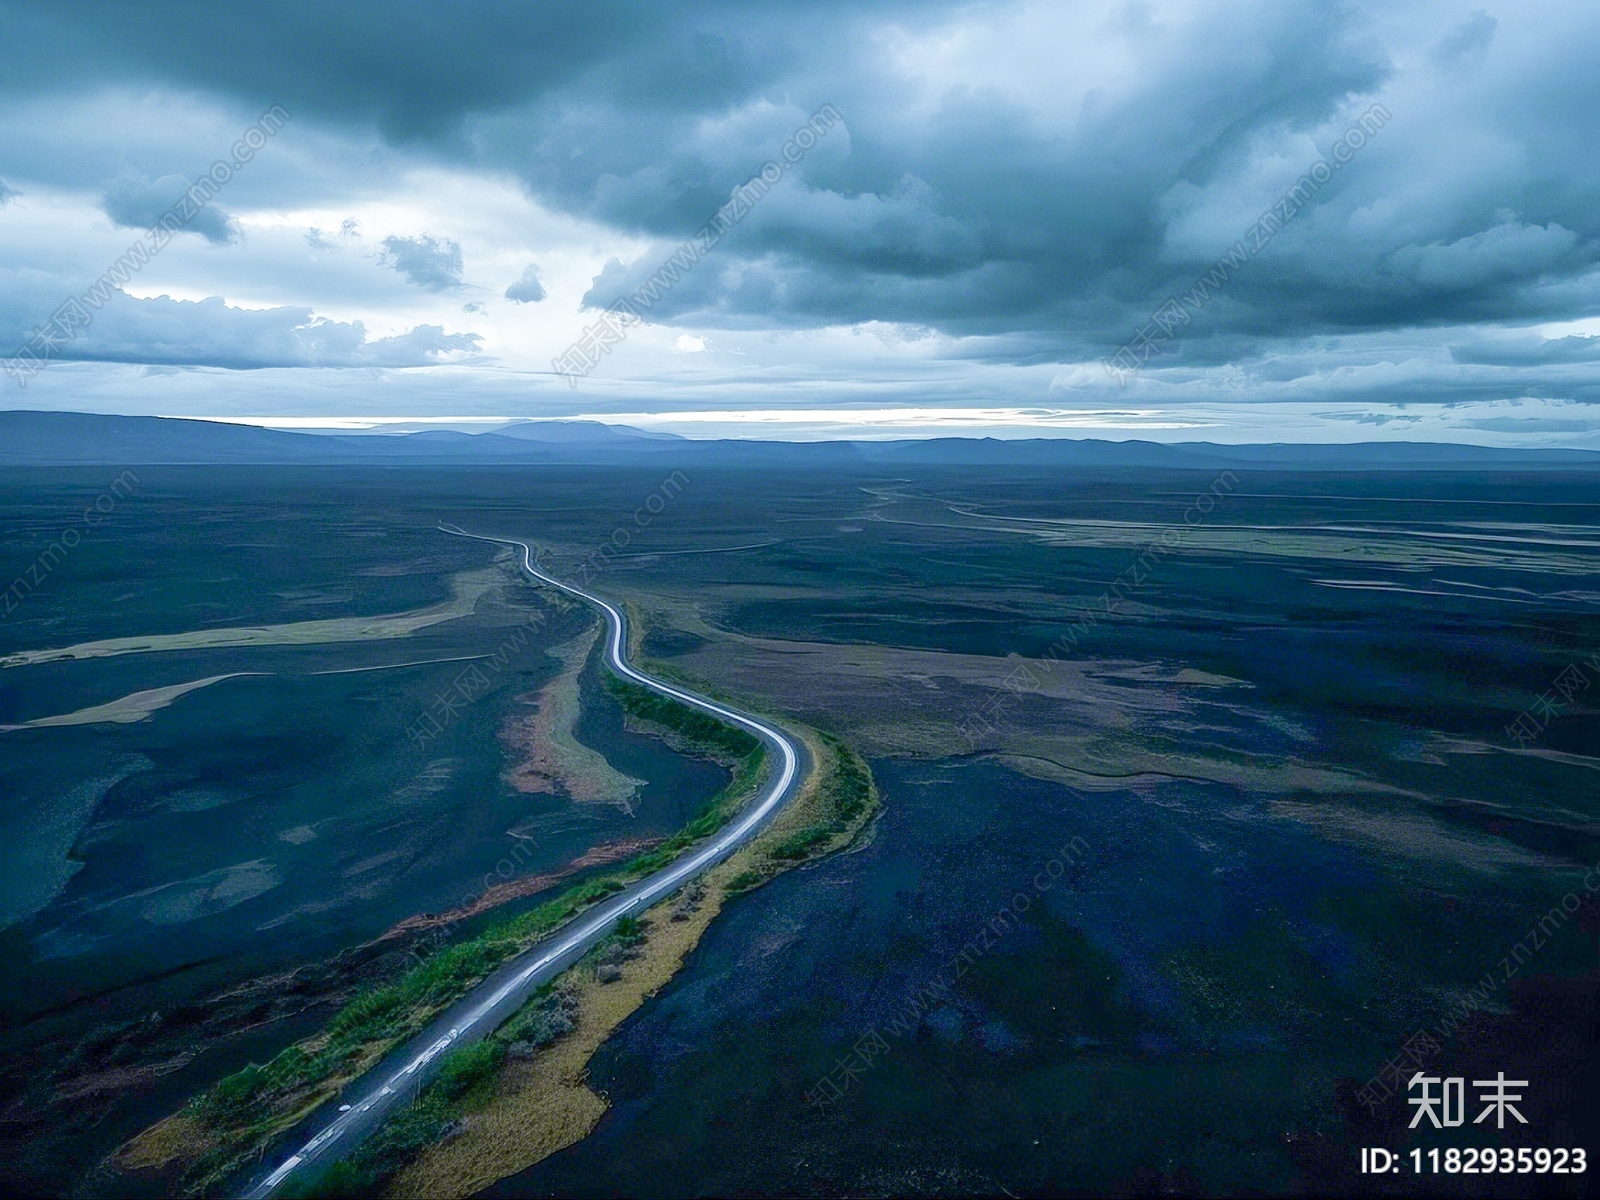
<point x="800" y="845"/>
<point x="702" y="731"/>
<point x="848" y="790"/>
<point x="845" y="792"/>
<point x="719" y="810"/>
<point x="544" y="1018"/>
<point x="844" y="796"/>
<point x="375" y="1020"/>
<point x="745" y="880"/>
<point x="465" y="1082"/>
<point x="342" y="1180"/>
<point x="468" y="1073"/>
<point x="695" y="732"/>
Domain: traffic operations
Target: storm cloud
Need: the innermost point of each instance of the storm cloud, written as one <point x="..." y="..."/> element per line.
<point x="1011" y="185"/>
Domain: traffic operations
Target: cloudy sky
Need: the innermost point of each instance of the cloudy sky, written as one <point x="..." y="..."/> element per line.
<point x="1012" y="193"/>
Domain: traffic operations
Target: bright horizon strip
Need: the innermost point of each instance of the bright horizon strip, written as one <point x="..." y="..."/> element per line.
<point x="349" y="422"/>
<point x="1308" y="424"/>
<point x="815" y="421"/>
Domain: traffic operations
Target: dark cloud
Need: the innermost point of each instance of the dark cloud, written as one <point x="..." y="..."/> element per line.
<point x="965" y="210"/>
<point x="969" y="214"/>
<point x="135" y="203"/>
<point x="414" y="68"/>
<point x="431" y="263"/>
<point x="527" y="289"/>
<point x="7" y="193"/>
<point x="1052" y="191"/>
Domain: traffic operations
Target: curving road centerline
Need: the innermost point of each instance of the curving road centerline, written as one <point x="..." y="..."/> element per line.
<point x="487" y="1006"/>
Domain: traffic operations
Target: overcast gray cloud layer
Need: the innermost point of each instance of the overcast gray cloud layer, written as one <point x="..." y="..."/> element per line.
<point x="1027" y="183"/>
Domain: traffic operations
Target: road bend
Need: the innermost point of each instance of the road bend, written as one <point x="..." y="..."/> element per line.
<point x="404" y="1072"/>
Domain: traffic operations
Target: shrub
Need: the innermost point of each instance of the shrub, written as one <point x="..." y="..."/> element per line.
<point x="468" y="1068"/>
<point x="798" y="845"/>
<point x="538" y="1024"/>
<point x="338" y="1181"/>
<point x="233" y="1096"/>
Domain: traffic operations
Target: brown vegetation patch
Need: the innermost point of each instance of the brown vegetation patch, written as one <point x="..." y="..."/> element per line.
<point x="517" y="889"/>
<point x="119" y="1078"/>
<point x="547" y="758"/>
<point x="177" y="1139"/>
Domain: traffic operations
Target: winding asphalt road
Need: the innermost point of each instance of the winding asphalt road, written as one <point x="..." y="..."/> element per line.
<point x="482" y="1010"/>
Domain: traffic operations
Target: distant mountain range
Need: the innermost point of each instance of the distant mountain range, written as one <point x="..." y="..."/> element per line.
<point x="90" y="439"/>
